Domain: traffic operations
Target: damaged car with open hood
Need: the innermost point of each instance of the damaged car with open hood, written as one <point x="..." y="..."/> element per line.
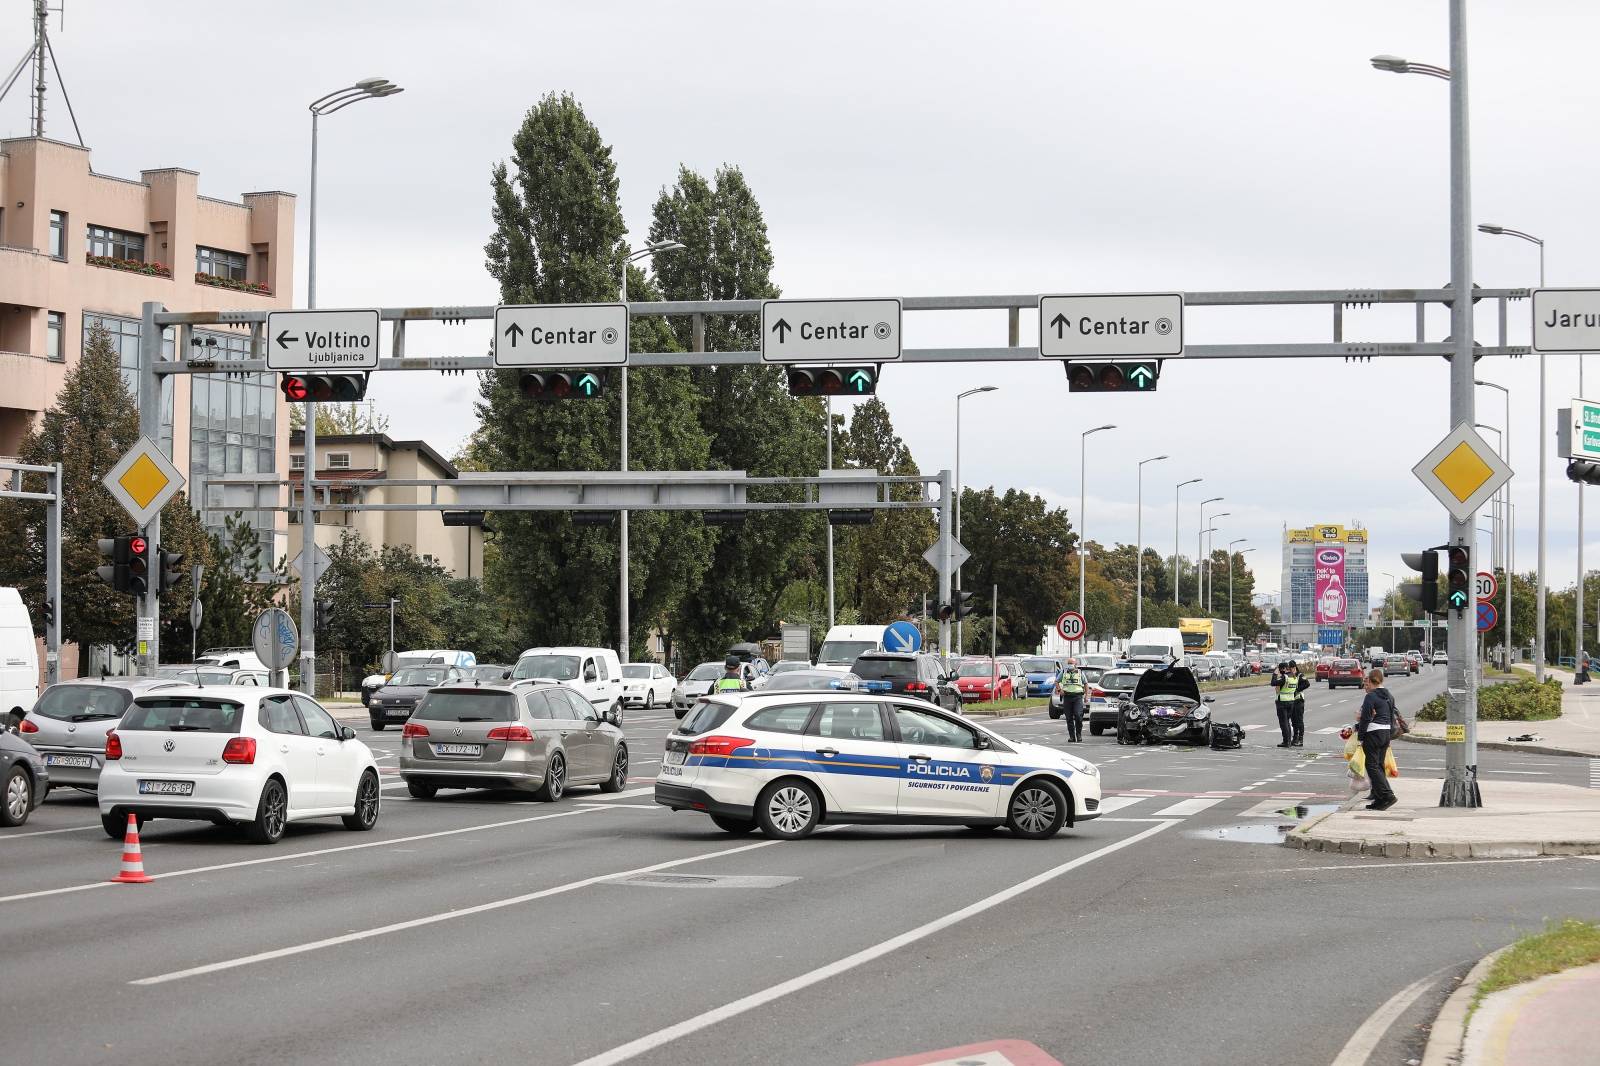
<point x="1165" y="708"/>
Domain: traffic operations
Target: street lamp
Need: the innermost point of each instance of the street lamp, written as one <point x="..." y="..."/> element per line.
<point x="959" y="397"/>
<point x="1247" y="551"/>
<point x="1138" y="556"/>
<point x="1508" y="550"/>
<point x="1177" y="522"/>
<point x="1203" y="563"/>
<point x="338" y="100"/>
<point x="624" y="644"/>
<point x="1083" y="525"/>
<point x="1544" y="446"/>
<point x="1390" y="641"/>
<point x="1203" y="521"/>
<point x="1494" y="510"/>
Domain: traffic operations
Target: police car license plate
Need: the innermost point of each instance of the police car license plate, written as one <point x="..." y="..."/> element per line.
<point x="68" y="760"/>
<point x="458" y="749"/>
<point x="166" y="788"/>
<point x="674" y="758"/>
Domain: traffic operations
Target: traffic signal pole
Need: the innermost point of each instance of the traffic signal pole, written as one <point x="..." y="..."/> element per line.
<point x="148" y="606"/>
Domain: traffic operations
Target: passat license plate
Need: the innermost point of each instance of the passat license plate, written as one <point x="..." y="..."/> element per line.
<point x="68" y="760"/>
<point x="458" y="749"/>
<point x="674" y="758"/>
<point x="166" y="788"/>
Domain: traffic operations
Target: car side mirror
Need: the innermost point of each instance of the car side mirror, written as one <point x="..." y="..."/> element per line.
<point x="346" y="733"/>
<point x="610" y="717"/>
<point x="1208" y="699"/>
<point x="984" y="743"/>
<point x="506" y="676"/>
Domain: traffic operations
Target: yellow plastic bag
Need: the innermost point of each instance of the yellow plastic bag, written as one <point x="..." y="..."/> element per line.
<point x="1352" y="747"/>
<point x="1389" y="765"/>
<point x="1358" y="761"/>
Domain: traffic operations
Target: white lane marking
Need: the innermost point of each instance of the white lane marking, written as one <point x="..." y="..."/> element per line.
<point x="443" y="916"/>
<point x="1525" y="773"/>
<point x="651" y="1041"/>
<point x="1594" y="773"/>
<point x="1364" y="1041"/>
<point x="1117" y="803"/>
<point x="1256" y="725"/>
<point x="1187" y="807"/>
<point x="47" y="832"/>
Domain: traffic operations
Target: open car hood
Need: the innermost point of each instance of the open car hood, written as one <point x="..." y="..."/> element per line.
<point x="1172" y="681"/>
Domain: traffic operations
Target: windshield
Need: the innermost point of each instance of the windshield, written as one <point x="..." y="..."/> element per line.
<point x="844" y="651"/>
<point x="1119" y="680"/>
<point x="184" y="715"/>
<point x="419" y="675"/>
<point x="554" y="667"/>
<point x="469" y="706"/>
<point x="1092" y="674"/>
<point x="638" y="673"/>
<point x="82" y="703"/>
<point x="1149" y="651"/>
<point x="705" y="672"/>
<point x="976" y="668"/>
<point x="873" y="669"/>
<point x="416" y="660"/>
<point x="199" y="676"/>
<point x="1039" y="666"/>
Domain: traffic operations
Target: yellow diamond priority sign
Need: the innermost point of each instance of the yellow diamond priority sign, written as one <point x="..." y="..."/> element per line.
<point x="1462" y="472"/>
<point x="143" y="481"/>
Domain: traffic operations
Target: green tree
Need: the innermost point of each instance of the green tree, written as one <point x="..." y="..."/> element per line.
<point x="559" y="238"/>
<point x="231" y="592"/>
<point x="341" y="419"/>
<point x="1028" y="549"/>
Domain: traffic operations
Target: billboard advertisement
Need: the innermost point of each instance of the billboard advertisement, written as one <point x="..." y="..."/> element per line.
<point x="1328" y="602"/>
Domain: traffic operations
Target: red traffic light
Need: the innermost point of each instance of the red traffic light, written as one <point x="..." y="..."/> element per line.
<point x="138" y="545"/>
<point x="295" y="390"/>
<point x="1080" y="378"/>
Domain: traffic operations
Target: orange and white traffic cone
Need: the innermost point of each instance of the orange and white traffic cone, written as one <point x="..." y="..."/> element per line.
<point x="132" y="860"/>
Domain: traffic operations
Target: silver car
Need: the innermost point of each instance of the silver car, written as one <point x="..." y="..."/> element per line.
<point x="69" y="722"/>
<point x="536" y="735"/>
<point x="209" y="674"/>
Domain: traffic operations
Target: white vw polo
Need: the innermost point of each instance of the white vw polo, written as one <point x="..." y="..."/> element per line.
<point x="261" y="757"/>
<point x="788" y="761"/>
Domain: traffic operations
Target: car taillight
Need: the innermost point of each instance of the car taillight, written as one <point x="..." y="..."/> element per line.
<point x="26" y="726"/>
<point x="113" y="745"/>
<point x="720" y="745"/>
<point x="514" y="734"/>
<point x="916" y="686"/>
<point x="412" y="729"/>
<point x="240" y="751"/>
<point x="1096" y="690"/>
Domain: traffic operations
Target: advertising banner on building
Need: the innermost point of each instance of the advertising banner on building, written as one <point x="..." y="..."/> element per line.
<point x="1328" y="603"/>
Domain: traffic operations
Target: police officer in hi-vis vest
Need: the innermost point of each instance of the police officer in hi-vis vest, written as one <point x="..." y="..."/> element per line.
<point x="1069" y="685"/>
<point x="1291" y="704"/>
<point x="732" y="679"/>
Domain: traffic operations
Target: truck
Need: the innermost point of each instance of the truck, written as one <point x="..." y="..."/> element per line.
<point x="1202" y="636"/>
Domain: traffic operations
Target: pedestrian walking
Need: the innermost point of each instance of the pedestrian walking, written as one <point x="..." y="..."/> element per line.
<point x="1291" y="703"/>
<point x="1375" y="726"/>
<point x="1069" y="684"/>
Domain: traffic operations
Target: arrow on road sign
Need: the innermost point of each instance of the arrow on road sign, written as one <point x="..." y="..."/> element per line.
<point x="513" y="331"/>
<point x="781" y="328"/>
<point x="1060" y="322"/>
<point x="284" y="339"/>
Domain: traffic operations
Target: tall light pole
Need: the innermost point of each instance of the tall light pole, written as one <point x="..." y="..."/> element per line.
<point x="624" y="643"/>
<point x="1177" y="526"/>
<point x="338" y="100"/>
<point x="1138" y="551"/>
<point x="1496" y="542"/>
<point x="1389" y="638"/>
<point x="1205" y="566"/>
<point x="1083" y="525"/>
<point x="1203" y="520"/>
<point x="1510" y="551"/>
<point x="1247" y="551"/>
<point x="959" y="397"/>
<point x="1461" y="759"/>
<point x="1544" y="447"/>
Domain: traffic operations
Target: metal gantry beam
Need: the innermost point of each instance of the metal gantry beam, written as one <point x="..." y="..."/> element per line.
<point x="13" y="487"/>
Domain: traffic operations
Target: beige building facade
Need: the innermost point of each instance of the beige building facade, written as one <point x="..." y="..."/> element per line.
<point x="79" y="249"/>
<point x="346" y="461"/>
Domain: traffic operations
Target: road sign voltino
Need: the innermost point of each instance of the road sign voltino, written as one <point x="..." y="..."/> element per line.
<point x="561" y="335"/>
<point x="323" y="341"/>
<point x="825" y="331"/>
<point x="1110" y="325"/>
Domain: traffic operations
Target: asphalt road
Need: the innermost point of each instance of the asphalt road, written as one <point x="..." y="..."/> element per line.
<point x="605" y="929"/>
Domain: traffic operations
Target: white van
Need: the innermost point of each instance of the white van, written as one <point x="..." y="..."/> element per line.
<point x="19" y="659"/>
<point x="843" y="644"/>
<point x="1151" y="647"/>
<point x="232" y="659"/>
<point x="595" y="673"/>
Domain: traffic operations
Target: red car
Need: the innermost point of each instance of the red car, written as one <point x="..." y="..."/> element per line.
<point x="1324" y="668"/>
<point x="981" y="680"/>
<point x="1344" y="672"/>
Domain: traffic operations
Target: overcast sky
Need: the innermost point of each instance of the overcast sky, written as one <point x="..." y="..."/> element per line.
<point x="936" y="148"/>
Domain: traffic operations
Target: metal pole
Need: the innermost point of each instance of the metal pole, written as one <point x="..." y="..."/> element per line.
<point x="994" y="620"/>
<point x="148" y="609"/>
<point x="623" y="641"/>
<point x="1544" y="447"/>
<point x="946" y="500"/>
<point x="1510" y="548"/>
<point x="1461" y="757"/>
<point x="308" y="474"/>
<point x="52" y="576"/>
<point x="1138" y="553"/>
<point x="956" y="502"/>
<point x="392" y="601"/>
<point x="1581" y="672"/>
<point x="1177" y="523"/>
<point x="1083" y="535"/>
<point x="1230" y="596"/>
<point x="830" y="524"/>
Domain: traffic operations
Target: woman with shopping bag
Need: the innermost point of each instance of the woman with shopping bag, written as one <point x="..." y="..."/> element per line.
<point x="1374" y="727"/>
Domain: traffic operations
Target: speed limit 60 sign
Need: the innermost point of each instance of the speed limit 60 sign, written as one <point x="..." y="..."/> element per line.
<point x="1070" y="626"/>
<point x="1486" y="585"/>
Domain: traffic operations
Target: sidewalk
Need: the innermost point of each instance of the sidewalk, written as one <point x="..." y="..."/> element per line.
<point x="1576" y="732"/>
<point x="1518" y="820"/>
<point x="1550" y="1021"/>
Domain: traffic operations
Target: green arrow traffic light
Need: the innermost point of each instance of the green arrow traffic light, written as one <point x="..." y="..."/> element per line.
<point x="1141" y="377"/>
<point x="861" y="381"/>
<point x="589" y="384"/>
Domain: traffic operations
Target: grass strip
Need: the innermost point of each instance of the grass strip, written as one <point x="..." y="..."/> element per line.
<point x="1562" y="946"/>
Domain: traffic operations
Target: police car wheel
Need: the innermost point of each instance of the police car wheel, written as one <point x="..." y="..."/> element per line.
<point x="1097" y="729"/>
<point x="1037" y="810"/>
<point x="789" y="810"/>
<point x="732" y="825"/>
<point x="1055" y="712"/>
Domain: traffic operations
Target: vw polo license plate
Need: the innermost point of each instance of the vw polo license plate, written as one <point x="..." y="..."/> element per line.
<point x="458" y="749"/>
<point x="166" y="788"/>
<point x="69" y="760"/>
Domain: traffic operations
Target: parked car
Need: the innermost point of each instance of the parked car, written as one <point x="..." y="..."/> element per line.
<point x="1198" y="665"/>
<point x="788" y="666"/>
<point x="536" y="736"/>
<point x="252" y="756"/>
<point x="812" y="681"/>
<point x="647" y="685"/>
<point x="487" y="673"/>
<point x="211" y="674"/>
<point x="405" y="688"/>
<point x="69" y="722"/>
<point x="24" y="779"/>
<point x="1166" y="706"/>
<point x="908" y="674"/>
<point x="1039" y="674"/>
<point x="982" y="680"/>
<point x="596" y="673"/>
<point x="1114" y="688"/>
<point x="462" y="660"/>
<point x="1223" y="668"/>
<point x="1345" y="672"/>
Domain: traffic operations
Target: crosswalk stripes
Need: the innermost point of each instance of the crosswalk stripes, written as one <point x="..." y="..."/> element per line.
<point x="1594" y="773"/>
<point x="1184" y="808"/>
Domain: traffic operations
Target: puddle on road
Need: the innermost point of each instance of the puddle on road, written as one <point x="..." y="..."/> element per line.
<point x="1265" y="831"/>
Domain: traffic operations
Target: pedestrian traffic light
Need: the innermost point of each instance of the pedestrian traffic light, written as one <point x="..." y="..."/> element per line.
<point x="323" y="388"/>
<point x="548" y="385"/>
<point x="1458" y="593"/>
<point x="322" y="613"/>
<point x="115" y="572"/>
<point x="170" y="565"/>
<point x="961" y="603"/>
<point x="833" y="381"/>
<point x="1140" y="376"/>
<point x="1427" y="592"/>
<point x="138" y="565"/>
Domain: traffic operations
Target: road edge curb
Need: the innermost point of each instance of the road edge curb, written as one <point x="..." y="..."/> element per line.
<point x="1298" y="839"/>
<point x="1412" y="738"/>
<point x="1448" y="1034"/>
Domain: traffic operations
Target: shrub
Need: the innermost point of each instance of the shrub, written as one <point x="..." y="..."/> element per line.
<point x="1516" y="701"/>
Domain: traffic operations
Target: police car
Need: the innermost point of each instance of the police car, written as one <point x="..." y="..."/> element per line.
<point x="787" y="761"/>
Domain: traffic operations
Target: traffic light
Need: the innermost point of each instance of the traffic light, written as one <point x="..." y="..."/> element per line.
<point x="49" y="612"/>
<point x="171" y="566"/>
<point x="1458" y="592"/>
<point x="1584" y="472"/>
<point x="1426" y="593"/>
<point x="322" y="612"/>
<point x="114" y="573"/>
<point x="833" y="381"/>
<point x="849" y="517"/>
<point x="1139" y="376"/>
<point x="138" y="565"/>
<point x="323" y="388"/>
<point x="550" y="385"/>
<point x="961" y="604"/>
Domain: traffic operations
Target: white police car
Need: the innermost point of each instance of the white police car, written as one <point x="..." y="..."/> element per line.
<point x="788" y="761"/>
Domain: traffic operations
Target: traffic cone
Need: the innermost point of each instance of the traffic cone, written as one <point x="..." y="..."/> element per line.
<point x="132" y="861"/>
